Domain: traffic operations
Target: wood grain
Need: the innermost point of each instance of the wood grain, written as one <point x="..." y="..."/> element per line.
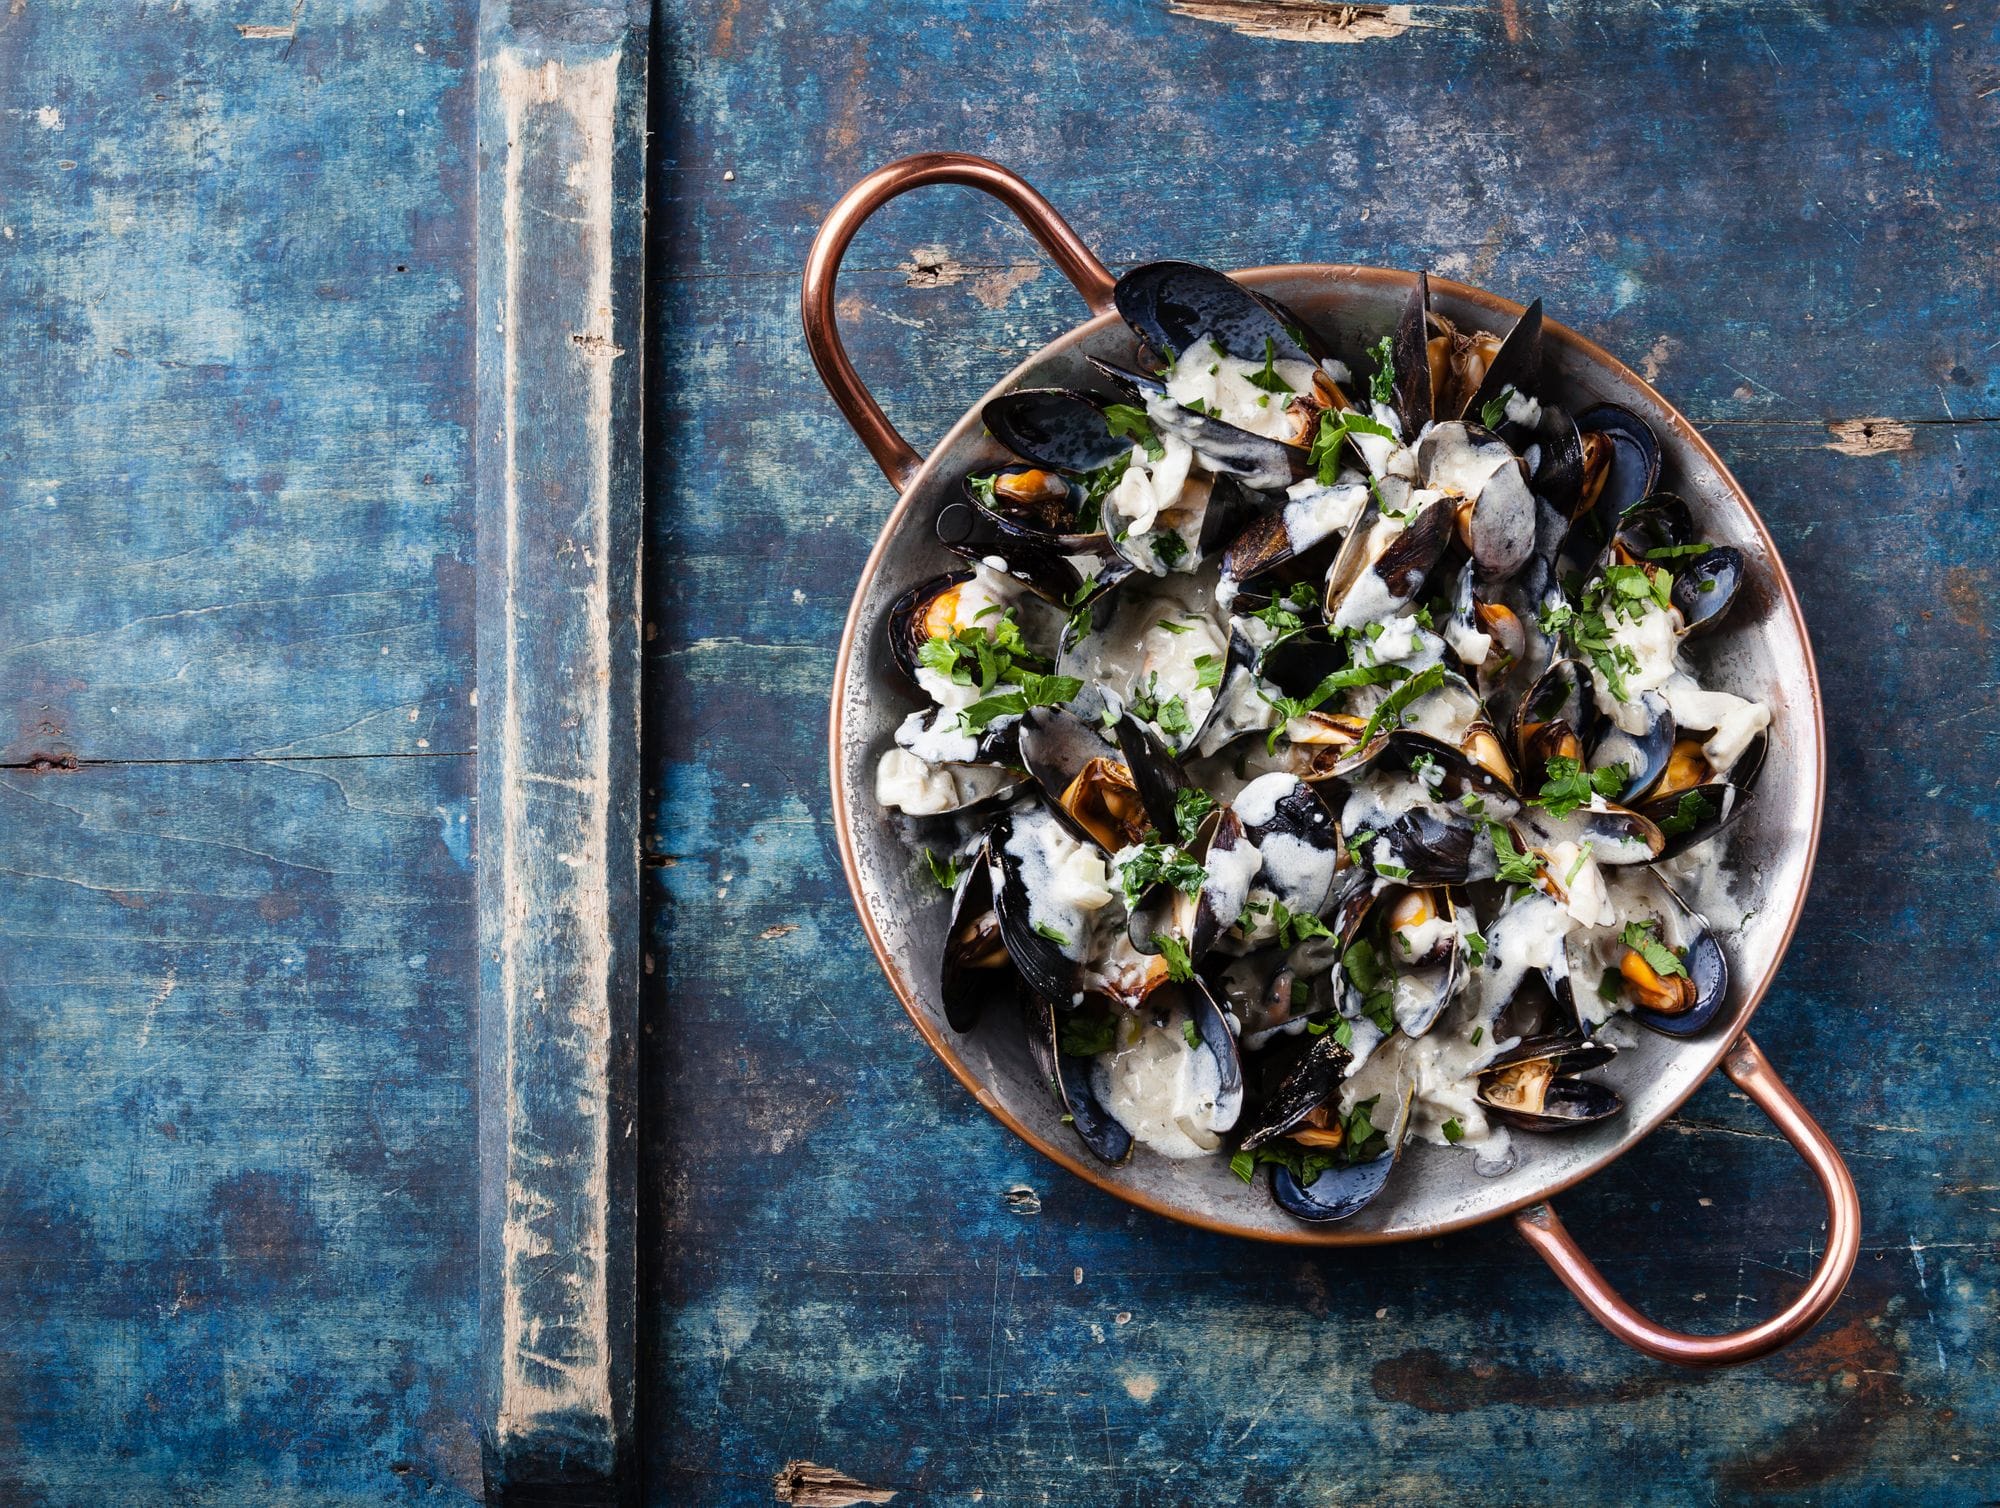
<point x="1779" y="213"/>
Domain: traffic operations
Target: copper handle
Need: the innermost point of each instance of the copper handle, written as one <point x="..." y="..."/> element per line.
<point x="1753" y="1074"/>
<point x="895" y="455"/>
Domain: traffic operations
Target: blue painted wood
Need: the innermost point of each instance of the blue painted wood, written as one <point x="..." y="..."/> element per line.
<point x="561" y="235"/>
<point x="273" y="1301"/>
<point x="1761" y="206"/>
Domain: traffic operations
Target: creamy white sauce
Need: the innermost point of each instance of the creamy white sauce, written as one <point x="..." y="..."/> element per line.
<point x="1066" y="881"/>
<point x="905" y="783"/>
<point x="1314" y="512"/>
<point x="1221" y="384"/>
<point x="1166" y="1093"/>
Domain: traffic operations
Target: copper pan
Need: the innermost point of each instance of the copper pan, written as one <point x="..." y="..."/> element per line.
<point x="1767" y="651"/>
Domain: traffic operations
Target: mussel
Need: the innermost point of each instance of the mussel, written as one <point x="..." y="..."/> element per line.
<point x="1533" y="1085"/>
<point x="1057" y="1041"/>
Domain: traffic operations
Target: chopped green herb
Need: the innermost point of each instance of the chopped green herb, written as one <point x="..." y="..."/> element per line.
<point x="1357" y="843"/>
<point x="1692" y="807"/>
<point x="1191" y="808"/>
<point x="1156" y="862"/>
<point x="1493" y="410"/>
<point x="1168" y="547"/>
<point x="1190" y="1036"/>
<point x="1390" y="713"/>
<point x="1453" y="1131"/>
<point x="1516" y="868"/>
<point x="1569" y="786"/>
<point x="1475" y="945"/>
<point x="1052" y="934"/>
<point x="1132" y="423"/>
<point x="1478" y="1035"/>
<point x="1174" y="951"/>
<point x="1087" y="1036"/>
<point x="1295" y="927"/>
<point x="1036" y="691"/>
<point x="982" y="487"/>
<point x="946" y="874"/>
<point x="1172" y="627"/>
<point x="1335" y="425"/>
<point x="1382" y="386"/>
<point x="1301" y="993"/>
<point x="1661" y="959"/>
<point x="1608" y="987"/>
<point x="1197" y="406"/>
<point x="1244" y="1166"/>
<point x="1582" y="858"/>
<point x="1675" y="552"/>
<point x="1393" y="871"/>
<point x="1208" y="672"/>
<point x="1268" y="379"/>
<point x="1288" y="707"/>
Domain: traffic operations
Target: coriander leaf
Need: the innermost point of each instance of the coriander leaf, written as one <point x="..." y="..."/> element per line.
<point x="1052" y="934"/>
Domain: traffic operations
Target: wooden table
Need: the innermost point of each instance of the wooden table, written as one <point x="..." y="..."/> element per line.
<point x="239" y="1221"/>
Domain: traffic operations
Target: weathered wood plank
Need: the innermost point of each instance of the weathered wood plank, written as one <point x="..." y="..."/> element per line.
<point x="562" y="119"/>
<point x="237" y="1222"/>
<point x="235" y="327"/>
<point x="1688" y="186"/>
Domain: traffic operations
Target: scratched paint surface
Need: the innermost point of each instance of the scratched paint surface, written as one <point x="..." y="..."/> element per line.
<point x="1789" y="220"/>
<point x="238" y="1164"/>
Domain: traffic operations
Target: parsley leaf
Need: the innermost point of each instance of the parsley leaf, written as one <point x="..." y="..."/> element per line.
<point x="1036" y="691"/>
<point x="1132" y="423"/>
<point x="1661" y="959"/>
<point x="1051" y="934"/>
<point x="1516" y="868"/>
<point x="1168" y="547"/>
<point x="1675" y="552"/>
<point x="1494" y="409"/>
<point x="1188" y="1033"/>
<point x="947" y="873"/>
<point x="1191" y="808"/>
<point x="1475" y="946"/>
<point x="1453" y="1131"/>
<point x="1335" y="425"/>
<point x="1382" y="386"/>
<point x="1174" y="951"/>
<point x="1087" y="1036"/>
<point x="1569" y="786"/>
<point x="1154" y="862"/>
<point x="1288" y="707"/>
<point x="1693" y="807"/>
<point x="1268" y="379"/>
<point x="1208" y="672"/>
<point x="1390" y="713"/>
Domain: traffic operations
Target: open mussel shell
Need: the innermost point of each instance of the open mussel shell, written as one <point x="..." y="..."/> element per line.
<point x="1045" y="565"/>
<point x="1311" y="1081"/>
<point x="1558" y="710"/>
<point x="1558" y="477"/>
<point x="1451" y="773"/>
<point x="1469" y="461"/>
<point x="1673" y="1006"/>
<point x="973" y="972"/>
<point x="912" y="615"/>
<point x="1643" y="755"/>
<point x="1341" y="1192"/>
<point x="1617" y="837"/>
<point x="1410" y="356"/>
<point x="1240" y="706"/>
<point x="1296" y="542"/>
<point x="1533" y="1085"/>
<point x="1705" y="587"/>
<point x="1054" y="427"/>
<point x="1690" y="817"/>
<point x="1420" y="941"/>
<point x="1089" y="785"/>
<point x="1378" y="573"/>
<point x="1068" y="1077"/>
<point x="1517" y="364"/>
<point x="1621" y="465"/>
<point x="1261" y="464"/>
<point x="1155" y="772"/>
<point x="1024" y="845"/>
<point x="1198" y="921"/>
<point x="1296" y="836"/>
<point x="1661" y="521"/>
<point x="1035" y="500"/>
<point x="1173" y="305"/>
